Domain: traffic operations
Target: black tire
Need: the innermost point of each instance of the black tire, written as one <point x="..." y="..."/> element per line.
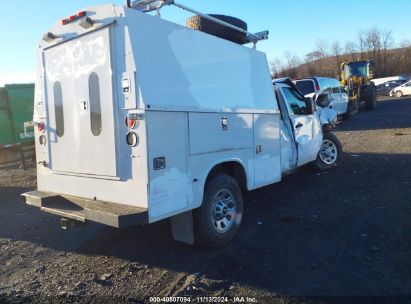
<point x="370" y="98"/>
<point x="215" y="29"/>
<point x="320" y="163"/>
<point x="208" y="232"/>
<point x="398" y="94"/>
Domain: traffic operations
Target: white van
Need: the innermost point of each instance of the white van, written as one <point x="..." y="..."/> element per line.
<point x="139" y="119"/>
<point x="317" y="85"/>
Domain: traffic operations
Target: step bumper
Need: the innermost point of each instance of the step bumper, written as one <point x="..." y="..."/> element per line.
<point x="80" y="209"/>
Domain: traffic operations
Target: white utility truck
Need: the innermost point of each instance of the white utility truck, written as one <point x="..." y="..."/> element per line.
<point x="139" y="119"/>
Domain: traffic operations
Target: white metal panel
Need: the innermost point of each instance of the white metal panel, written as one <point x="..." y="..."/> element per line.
<point x="201" y="164"/>
<point x="208" y="135"/>
<point x="102" y="15"/>
<point x="267" y="168"/>
<point x="169" y="188"/>
<point x="71" y="63"/>
<point x="195" y="70"/>
<point x="288" y="147"/>
<point x="129" y="87"/>
<point x="306" y="137"/>
<point x="131" y="192"/>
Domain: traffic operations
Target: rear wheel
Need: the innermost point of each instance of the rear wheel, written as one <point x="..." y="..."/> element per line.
<point x="207" y="26"/>
<point x="218" y="219"/>
<point x="330" y="153"/>
<point x="398" y="94"/>
<point x="370" y="97"/>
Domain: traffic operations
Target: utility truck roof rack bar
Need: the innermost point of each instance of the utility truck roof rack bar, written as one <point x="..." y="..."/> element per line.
<point x="146" y="6"/>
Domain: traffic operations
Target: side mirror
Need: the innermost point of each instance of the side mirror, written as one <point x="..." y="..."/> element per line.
<point x="310" y="105"/>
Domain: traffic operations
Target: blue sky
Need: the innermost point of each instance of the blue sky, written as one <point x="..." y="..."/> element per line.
<point x="294" y="25"/>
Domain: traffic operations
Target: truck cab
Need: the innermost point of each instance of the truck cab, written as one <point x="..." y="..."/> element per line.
<point x="134" y="126"/>
<point x="303" y="129"/>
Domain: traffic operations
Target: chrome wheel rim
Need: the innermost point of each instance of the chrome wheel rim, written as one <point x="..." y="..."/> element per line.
<point x="328" y="152"/>
<point x="224" y="210"/>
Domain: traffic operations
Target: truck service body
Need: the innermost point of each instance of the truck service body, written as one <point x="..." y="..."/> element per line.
<point x="140" y="112"/>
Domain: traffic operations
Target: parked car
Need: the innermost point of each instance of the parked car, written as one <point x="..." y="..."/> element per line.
<point x="189" y="146"/>
<point x="317" y="85"/>
<point x="402" y="90"/>
<point x="384" y="89"/>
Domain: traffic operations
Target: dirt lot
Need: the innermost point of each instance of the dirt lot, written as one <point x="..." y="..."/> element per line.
<point x="328" y="235"/>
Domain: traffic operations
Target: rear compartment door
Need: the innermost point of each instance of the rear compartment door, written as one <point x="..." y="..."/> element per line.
<point x="267" y="160"/>
<point x="81" y="111"/>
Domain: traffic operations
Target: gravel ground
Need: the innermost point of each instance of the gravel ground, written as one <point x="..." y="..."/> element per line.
<point x="341" y="236"/>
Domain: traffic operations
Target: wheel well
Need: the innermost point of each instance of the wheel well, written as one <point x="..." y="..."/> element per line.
<point x="232" y="168"/>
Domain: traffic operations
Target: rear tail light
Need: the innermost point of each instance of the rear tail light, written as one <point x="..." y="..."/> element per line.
<point x="40" y="127"/>
<point x="130" y="122"/>
<point x="317" y="88"/>
<point x="81" y="14"/>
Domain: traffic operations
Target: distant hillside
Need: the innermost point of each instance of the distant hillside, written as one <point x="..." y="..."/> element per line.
<point x="387" y="63"/>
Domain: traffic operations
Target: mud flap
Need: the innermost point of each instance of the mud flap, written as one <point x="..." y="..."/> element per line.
<point x="182" y="226"/>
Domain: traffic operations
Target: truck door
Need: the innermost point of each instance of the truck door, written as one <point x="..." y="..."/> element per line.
<point x="267" y="160"/>
<point x="307" y="128"/>
<point x="407" y="89"/>
<point x="81" y="111"/>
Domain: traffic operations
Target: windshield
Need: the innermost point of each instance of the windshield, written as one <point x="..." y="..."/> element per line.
<point x="358" y="69"/>
<point x="295" y="101"/>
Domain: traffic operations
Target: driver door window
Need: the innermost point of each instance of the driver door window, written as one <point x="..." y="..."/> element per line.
<point x="295" y="102"/>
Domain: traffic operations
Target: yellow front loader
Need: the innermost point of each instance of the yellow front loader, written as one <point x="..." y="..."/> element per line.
<point x="356" y="78"/>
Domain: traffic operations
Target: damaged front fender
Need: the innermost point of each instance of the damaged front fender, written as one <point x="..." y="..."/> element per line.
<point x="327" y="116"/>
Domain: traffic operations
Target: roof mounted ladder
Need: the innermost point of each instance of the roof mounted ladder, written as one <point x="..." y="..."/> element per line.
<point x="156" y="5"/>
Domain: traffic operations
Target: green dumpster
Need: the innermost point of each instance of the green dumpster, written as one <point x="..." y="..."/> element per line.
<point x="16" y="111"/>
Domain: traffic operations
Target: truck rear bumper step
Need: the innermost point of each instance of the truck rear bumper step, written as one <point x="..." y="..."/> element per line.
<point x="80" y="209"/>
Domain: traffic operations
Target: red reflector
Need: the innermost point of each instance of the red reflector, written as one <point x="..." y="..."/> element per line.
<point x="64" y="21"/>
<point x="131" y="123"/>
<point x="81" y="14"/>
<point x="40" y="127"/>
<point x="72" y="18"/>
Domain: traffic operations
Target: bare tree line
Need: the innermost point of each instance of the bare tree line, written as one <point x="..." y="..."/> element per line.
<point x="326" y="57"/>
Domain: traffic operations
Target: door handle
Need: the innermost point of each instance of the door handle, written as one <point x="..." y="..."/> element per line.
<point x="299" y="125"/>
